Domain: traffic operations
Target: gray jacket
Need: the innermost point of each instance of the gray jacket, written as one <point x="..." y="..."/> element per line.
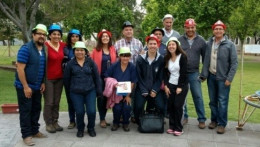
<point x="193" y="52"/>
<point x="226" y="60"/>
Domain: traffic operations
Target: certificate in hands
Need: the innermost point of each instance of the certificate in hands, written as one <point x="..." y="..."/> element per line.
<point x="123" y="88"/>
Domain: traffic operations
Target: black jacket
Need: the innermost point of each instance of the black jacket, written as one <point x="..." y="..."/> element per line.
<point x="149" y="76"/>
<point x="82" y="79"/>
<point x="183" y="73"/>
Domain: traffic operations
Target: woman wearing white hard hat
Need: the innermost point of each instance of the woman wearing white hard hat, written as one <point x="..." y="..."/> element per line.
<point x="176" y="84"/>
<point x="81" y="76"/>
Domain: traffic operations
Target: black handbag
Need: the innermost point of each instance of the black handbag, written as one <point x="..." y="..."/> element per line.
<point x="151" y="122"/>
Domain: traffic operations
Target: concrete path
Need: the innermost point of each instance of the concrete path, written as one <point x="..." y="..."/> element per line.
<point x="193" y="136"/>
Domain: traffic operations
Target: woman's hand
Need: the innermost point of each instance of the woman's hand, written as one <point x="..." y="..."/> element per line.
<point x="167" y="91"/>
<point x="128" y="100"/>
<point x="178" y="90"/>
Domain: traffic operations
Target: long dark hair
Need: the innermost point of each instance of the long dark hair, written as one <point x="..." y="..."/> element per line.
<point x="69" y="43"/>
<point x="100" y="44"/>
<point x="168" y="55"/>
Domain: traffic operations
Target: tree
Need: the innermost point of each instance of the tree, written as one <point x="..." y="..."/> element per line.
<point x="26" y="13"/>
<point x="19" y="11"/>
<point x="103" y="14"/>
<point x="205" y="13"/>
<point x="244" y="21"/>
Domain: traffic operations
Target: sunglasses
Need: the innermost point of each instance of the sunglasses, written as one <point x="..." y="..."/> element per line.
<point x="125" y="55"/>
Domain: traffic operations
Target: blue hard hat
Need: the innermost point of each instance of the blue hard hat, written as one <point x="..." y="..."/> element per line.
<point x="75" y="31"/>
<point x="54" y="27"/>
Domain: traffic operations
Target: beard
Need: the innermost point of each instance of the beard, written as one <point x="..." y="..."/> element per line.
<point x="40" y="42"/>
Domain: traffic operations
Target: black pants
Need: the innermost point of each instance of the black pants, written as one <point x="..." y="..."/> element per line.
<point x="175" y="106"/>
<point x="29" y="109"/>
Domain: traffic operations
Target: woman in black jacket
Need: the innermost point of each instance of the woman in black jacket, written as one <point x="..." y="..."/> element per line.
<point x="176" y="85"/>
<point x="82" y="78"/>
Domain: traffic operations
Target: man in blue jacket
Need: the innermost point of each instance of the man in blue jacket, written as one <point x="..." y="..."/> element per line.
<point x="29" y="83"/>
<point x="194" y="46"/>
<point x="220" y="65"/>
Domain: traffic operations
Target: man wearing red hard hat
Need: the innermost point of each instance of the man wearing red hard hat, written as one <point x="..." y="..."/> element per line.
<point x="219" y="68"/>
<point x="194" y="46"/>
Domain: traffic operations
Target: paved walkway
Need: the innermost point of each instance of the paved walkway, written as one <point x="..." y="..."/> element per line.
<point x="193" y="136"/>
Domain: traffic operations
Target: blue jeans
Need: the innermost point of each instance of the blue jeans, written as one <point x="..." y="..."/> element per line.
<point x="30" y="110"/>
<point x="140" y="102"/>
<point x="85" y="103"/>
<point x="196" y="92"/>
<point x="219" y="97"/>
<point x="121" y="109"/>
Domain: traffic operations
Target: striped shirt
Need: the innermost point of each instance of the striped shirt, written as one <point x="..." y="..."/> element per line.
<point x="23" y="57"/>
<point x="135" y="46"/>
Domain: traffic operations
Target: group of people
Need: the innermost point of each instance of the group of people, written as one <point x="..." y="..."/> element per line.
<point x="161" y="74"/>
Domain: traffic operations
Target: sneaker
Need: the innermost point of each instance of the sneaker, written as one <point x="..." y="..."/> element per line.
<point x="80" y="133"/>
<point x="40" y="135"/>
<point x="126" y="128"/>
<point x="170" y="131"/>
<point x="57" y="126"/>
<point x="177" y="133"/>
<point x="114" y="127"/>
<point x="185" y="121"/>
<point x="28" y="141"/>
<point x="212" y="125"/>
<point x="71" y="125"/>
<point x="50" y="128"/>
<point x="202" y="125"/>
<point x="221" y="130"/>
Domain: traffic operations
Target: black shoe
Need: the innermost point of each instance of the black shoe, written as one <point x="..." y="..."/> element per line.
<point x="80" y="133"/>
<point x="114" y="127"/>
<point x="126" y="128"/>
<point x="92" y="133"/>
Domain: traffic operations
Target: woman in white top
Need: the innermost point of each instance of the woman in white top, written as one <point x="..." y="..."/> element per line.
<point x="176" y="85"/>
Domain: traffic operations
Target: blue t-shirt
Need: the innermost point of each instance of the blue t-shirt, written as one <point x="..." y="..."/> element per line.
<point x="23" y="57"/>
<point x="128" y="75"/>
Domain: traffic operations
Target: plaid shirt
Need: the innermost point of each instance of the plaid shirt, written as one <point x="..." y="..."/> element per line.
<point x="135" y="46"/>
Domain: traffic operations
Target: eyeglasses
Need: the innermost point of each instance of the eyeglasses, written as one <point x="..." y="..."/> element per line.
<point x="125" y="55"/>
<point x="41" y="34"/>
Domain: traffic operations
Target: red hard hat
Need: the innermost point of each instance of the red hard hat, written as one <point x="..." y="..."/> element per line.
<point x="104" y="31"/>
<point x="219" y="23"/>
<point x="189" y="22"/>
<point x="152" y="36"/>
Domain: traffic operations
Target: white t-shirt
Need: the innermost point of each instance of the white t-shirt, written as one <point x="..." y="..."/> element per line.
<point x="174" y="69"/>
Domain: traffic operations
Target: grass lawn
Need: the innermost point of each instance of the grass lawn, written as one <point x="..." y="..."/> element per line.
<point x="251" y="83"/>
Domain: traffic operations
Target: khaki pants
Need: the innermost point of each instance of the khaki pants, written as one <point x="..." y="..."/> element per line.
<point x="52" y="96"/>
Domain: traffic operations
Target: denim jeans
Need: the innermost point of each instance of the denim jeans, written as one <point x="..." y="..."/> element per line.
<point x="140" y="103"/>
<point x="196" y="92"/>
<point x="71" y="110"/>
<point x="219" y="97"/>
<point x="85" y="103"/>
<point x="30" y="110"/>
<point x="121" y="109"/>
